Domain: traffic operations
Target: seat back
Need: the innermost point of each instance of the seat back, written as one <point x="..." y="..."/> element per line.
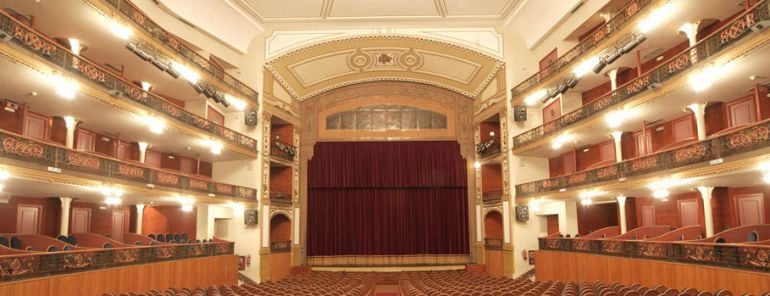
<point x="4" y="242"/>
<point x="15" y="243"/>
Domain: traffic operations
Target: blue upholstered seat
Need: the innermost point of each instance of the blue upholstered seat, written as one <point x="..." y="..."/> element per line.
<point x="15" y="243"/>
<point x="4" y="241"/>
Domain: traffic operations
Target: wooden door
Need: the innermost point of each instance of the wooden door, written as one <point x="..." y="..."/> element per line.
<point x="607" y="152"/>
<point x="214" y="116"/>
<point x="85" y="140"/>
<point x="28" y="219"/>
<point x="684" y="130"/>
<point x="124" y="151"/>
<point x="648" y="215"/>
<point x="36" y="126"/>
<point x="568" y="161"/>
<point x="552" y="111"/>
<point x="741" y="112"/>
<point x="81" y="220"/>
<point x="152" y="158"/>
<point x="188" y="165"/>
<point x="688" y="212"/>
<point x="751" y="209"/>
<point x="643" y="144"/>
<point x="553" y="224"/>
<point x="118" y="225"/>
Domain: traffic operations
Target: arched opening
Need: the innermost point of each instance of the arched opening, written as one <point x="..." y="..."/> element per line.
<point x="280" y="247"/>
<point x="493" y="243"/>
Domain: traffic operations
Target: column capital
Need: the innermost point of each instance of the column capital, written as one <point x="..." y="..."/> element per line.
<point x="139" y="207"/>
<point x="705" y="192"/>
<point x="697" y="108"/>
<point x="70" y="122"/>
<point x="65" y="201"/>
<point x="621" y="199"/>
<point x="143" y="145"/>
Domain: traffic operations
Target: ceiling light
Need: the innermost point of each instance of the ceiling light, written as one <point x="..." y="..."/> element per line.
<point x="586" y="201"/>
<point x="560" y="140"/>
<point x="534" y="97"/>
<point x="146" y="86"/>
<point x="615" y="118"/>
<point x="123" y="32"/>
<point x="654" y="18"/>
<point x="238" y="208"/>
<point x="66" y="88"/>
<point x="703" y="79"/>
<point x="534" y="204"/>
<point x="477" y="164"/>
<point x="75" y="46"/>
<point x="214" y="146"/>
<point x="187" y="203"/>
<point x="112" y="200"/>
<point x="766" y="178"/>
<point x="660" y="193"/>
<point x="4" y="174"/>
<point x="586" y="66"/>
<point x="157" y="125"/>
<point x="186" y="73"/>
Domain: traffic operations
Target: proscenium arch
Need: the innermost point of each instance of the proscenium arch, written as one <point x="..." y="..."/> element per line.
<point x="324" y="66"/>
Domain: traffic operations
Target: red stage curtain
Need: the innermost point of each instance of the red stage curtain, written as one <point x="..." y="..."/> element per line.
<point x="387" y="198"/>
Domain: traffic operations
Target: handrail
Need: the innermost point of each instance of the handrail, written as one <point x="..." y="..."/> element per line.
<point x="628" y="13"/>
<point x="140" y="19"/>
<point x="52" y="51"/>
<point x="29" y="150"/>
<point x="714" y="43"/>
<point x="752" y="257"/>
<point x="287" y="151"/>
<point x="751" y="137"/>
<point x="489" y="147"/>
<point x="280" y="246"/>
<point x="39" y="264"/>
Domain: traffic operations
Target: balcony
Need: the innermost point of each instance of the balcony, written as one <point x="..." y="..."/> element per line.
<point x="611" y="28"/>
<point x="43" y="156"/>
<point x="283" y="150"/>
<point x="492" y="196"/>
<point x="169" y="41"/>
<point x="113" y="84"/>
<point x="739" y="141"/>
<point x="280" y="247"/>
<point x="493" y="244"/>
<point x="280" y="198"/>
<point x="489" y="148"/>
<point x="716" y="43"/>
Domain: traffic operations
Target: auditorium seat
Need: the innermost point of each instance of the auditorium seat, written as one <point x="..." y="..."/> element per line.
<point x="4" y="242"/>
<point x="15" y="243"/>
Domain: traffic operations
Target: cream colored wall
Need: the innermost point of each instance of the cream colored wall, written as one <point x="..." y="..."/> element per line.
<point x="247" y="238"/>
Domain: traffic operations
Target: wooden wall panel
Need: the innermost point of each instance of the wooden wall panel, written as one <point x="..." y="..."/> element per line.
<point x="564" y="266"/>
<point x="101" y="217"/>
<point x="12" y="121"/>
<point x="493" y="225"/>
<point x="49" y="218"/>
<point x="281" y="179"/>
<point x="192" y="273"/>
<point x="170" y="161"/>
<point x="494" y="261"/>
<point x="280" y="228"/>
<point x="286" y="131"/>
<point x="491" y="177"/>
<point x="280" y="265"/>
<point x="168" y="219"/>
<point x="596" y="216"/>
<point x="486" y="127"/>
<point x="667" y="212"/>
<point x="715" y="118"/>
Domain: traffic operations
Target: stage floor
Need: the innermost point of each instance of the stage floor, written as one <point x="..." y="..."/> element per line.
<point x="387" y="268"/>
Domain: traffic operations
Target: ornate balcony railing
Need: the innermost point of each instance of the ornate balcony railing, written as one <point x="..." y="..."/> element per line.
<point x="280" y="198"/>
<point x="280" y="247"/>
<point x="615" y="24"/>
<point x="39" y="264"/>
<point x="492" y="196"/>
<point x="737" y="29"/>
<point x="141" y="20"/>
<point x="737" y="256"/>
<point x="283" y="150"/>
<point x="493" y="244"/>
<point x="51" y="51"/>
<point x="750" y="138"/>
<point x="488" y="148"/>
<point x="36" y="152"/>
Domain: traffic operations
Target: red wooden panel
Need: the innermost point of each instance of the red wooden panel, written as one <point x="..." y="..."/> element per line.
<point x="643" y="146"/>
<point x="81" y="220"/>
<point x="215" y="117"/>
<point x="741" y="112"/>
<point x="85" y="140"/>
<point x="28" y="219"/>
<point x="683" y="129"/>
<point x="118" y="225"/>
<point x="688" y="212"/>
<point x="552" y="111"/>
<point x="36" y="126"/>
<point x="153" y="158"/>
<point x="648" y="215"/>
<point x="549" y="59"/>
<point x="124" y="150"/>
<point x="553" y="224"/>
<point x="188" y="165"/>
<point x="607" y="151"/>
<point x="568" y="161"/>
<point x="751" y="209"/>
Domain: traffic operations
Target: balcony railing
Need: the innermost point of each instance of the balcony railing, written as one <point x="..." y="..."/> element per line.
<point x="39" y="264"/>
<point x="493" y="244"/>
<point x="141" y="20"/>
<point x="750" y="138"/>
<point x="283" y="150"/>
<point x="610" y="28"/>
<point x="280" y="198"/>
<point x="743" y="256"/>
<point x="492" y="196"/>
<point x="488" y="148"/>
<point x="280" y="247"/>
<point x="736" y="30"/>
<point x="50" y="50"/>
<point x="52" y="156"/>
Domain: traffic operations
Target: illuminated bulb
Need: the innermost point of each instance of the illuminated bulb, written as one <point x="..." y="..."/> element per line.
<point x="534" y="205"/>
<point x="2" y="187"/>
<point x="615" y="118"/>
<point x="119" y="30"/>
<point x="216" y="148"/>
<point x="660" y="193"/>
<point x="654" y="18"/>
<point x="4" y="175"/>
<point x="237" y="103"/>
<point x="187" y="208"/>
<point x="75" y="46"/>
<point x="186" y="72"/>
<point x="586" y="66"/>
<point x="477" y="164"/>
<point x="766" y="178"/>
<point x="703" y="79"/>
<point x="156" y="125"/>
<point x="113" y="200"/>
<point x="146" y="86"/>
<point x="586" y="201"/>
<point x="237" y="207"/>
<point x="65" y="88"/>
<point x="534" y="97"/>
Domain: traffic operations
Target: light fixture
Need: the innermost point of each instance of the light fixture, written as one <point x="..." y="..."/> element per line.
<point x="187" y="203"/>
<point x="75" y="46"/>
<point x="477" y="164"/>
<point x="214" y="146"/>
<point x="238" y="208"/>
<point x="2" y="187"/>
<point x="111" y="194"/>
<point x="155" y="124"/>
<point x="186" y="73"/>
<point x="654" y="18"/>
<point x="586" y="66"/>
<point x="66" y="88"/>
<point x="660" y="193"/>
<point x="615" y="118"/>
<point x="121" y="31"/>
<point x="586" y="201"/>
<point x="703" y="79"/>
<point x="491" y="134"/>
<point x="633" y="43"/>
<point x="146" y="86"/>
<point x="4" y="174"/>
<point x="534" y="97"/>
<point x="560" y="140"/>
<point x="765" y="167"/>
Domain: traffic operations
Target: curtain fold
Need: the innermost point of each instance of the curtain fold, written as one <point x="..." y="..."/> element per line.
<point x="387" y="198"/>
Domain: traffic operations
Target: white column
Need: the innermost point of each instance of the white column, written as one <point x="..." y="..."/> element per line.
<point x="618" y="136"/>
<point x="506" y="222"/>
<point x="479" y="235"/>
<point x="265" y="226"/>
<point x="64" y="223"/>
<point x="705" y="194"/>
<point x="691" y="30"/>
<point x="622" y="211"/>
<point x="699" y="110"/>
<point x="613" y="74"/>
<point x="296" y="226"/>
<point x="70" y="123"/>
<point x="142" y="151"/>
<point x="139" y="216"/>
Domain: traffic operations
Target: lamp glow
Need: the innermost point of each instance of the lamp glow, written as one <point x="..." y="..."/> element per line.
<point x="66" y="88"/>
<point x="655" y="18"/>
<point x="236" y="102"/>
<point x="121" y="31"/>
<point x="186" y="73"/>
<point x="586" y="66"/>
<point x="477" y="164"/>
<point x="534" y="97"/>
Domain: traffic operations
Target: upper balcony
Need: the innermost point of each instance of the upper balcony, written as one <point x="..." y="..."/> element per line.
<point x="663" y="79"/>
<point x="107" y="85"/>
<point x="610" y="31"/>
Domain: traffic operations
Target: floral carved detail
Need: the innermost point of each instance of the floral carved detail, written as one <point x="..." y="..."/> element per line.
<point x="607" y="172"/>
<point x="755" y="257"/>
<point x="737" y="28"/>
<point x="644" y="163"/>
<point x="581" y="245"/>
<point x="224" y="188"/>
<point x="639" y="84"/>
<point x="690" y="153"/>
<point x="81" y="160"/>
<point x="18" y="265"/>
<point x="34" y="42"/>
<point x="746" y="138"/>
<point x="633" y="9"/>
<point x="130" y="171"/>
<point x="137" y="94"/>
<point x="699" y="253"/>
<point x="78" y="260"/>
<point x="612" y="247"/>
<point x="653" y="250"/>
<point x="166" y="178"/>
<point x="88" y="70"/>
<point x="164" y="253"/>
<point x="25" y="149"/>
<point x="199" y="184"/>
<point x="577" y="178"/>
<point x="554" y="244"/>
<point x="683" y="61"/>
<point x="125" y="255"/>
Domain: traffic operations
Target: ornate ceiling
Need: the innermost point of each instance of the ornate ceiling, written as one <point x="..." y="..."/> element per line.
<point x="311" y="70"/>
